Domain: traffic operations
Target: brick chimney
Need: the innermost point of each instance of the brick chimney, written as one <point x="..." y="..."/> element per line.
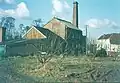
<point x="75" y="13"/>
<point x="2" y="34"/>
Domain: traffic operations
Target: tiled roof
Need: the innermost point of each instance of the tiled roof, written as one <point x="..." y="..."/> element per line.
<point x="105" y="36"/>
<point x="114" y="38"/>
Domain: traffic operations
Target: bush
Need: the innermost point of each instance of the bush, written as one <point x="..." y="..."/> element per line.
<point x="101" y="53"/>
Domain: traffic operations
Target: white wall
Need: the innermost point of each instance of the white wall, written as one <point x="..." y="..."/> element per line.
<point x="105" y="43"/>
<point x="115" y="48"/>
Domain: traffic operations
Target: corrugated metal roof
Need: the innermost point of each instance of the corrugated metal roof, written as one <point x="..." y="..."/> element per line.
<point x="67" y="23"/>
<point x="20" y="41"/>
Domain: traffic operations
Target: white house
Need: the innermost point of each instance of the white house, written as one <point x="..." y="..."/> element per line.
<point x="110" y="42"/>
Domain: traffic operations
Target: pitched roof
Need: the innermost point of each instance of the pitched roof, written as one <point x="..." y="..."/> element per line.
<point x="49" y="34"/>
<point x="105" y="36"/>
<point x="67" y="23"/>
<point x="45" y="31"/>
<point x="114" y="38"/>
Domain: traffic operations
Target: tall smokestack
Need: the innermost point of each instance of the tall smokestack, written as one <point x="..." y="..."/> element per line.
<point x="75" y="13"/>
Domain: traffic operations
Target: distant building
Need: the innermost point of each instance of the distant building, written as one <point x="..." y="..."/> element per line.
<point x="67" y="31"/>
<point x="64" y="29"/>
<point x="110" y="42"/>
<point x="57" y="36"/>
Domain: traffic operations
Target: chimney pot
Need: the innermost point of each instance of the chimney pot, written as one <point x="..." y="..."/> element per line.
<point x="75" y="13"/>
<point x="75" y="2"/>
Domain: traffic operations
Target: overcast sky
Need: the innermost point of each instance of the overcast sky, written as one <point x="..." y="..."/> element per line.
<point x="102" y="16"/>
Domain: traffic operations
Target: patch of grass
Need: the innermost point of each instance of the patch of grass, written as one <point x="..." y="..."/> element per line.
<point x="76" y="68"/>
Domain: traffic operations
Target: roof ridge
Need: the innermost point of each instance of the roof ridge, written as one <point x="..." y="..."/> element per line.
<point x="114" y="34"/>
<point x="111" y="35"/>
<point x="62" y="20"/>
<point x="67" y="23"/>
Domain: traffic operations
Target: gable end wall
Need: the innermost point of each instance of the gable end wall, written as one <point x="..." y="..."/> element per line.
<point x="57" y="27"/>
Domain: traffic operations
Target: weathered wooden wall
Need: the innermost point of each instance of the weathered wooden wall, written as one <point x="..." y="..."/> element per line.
<point x="76" y="41"/>
<point x="57" y="27"/>
<point x="52" y="44"/>
<point x="34" y="34"/>
<point x="73" y="34"/>
<point x="23" y="47"/>
<point x="57" y="38"/>
<point x="73" y="37"/>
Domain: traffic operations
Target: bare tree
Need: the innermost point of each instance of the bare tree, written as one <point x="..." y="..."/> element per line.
<point x="37" y="22"/>
<point x="27" y="28"/>
<point x="45" y="57"/>
<point x="22" y="30"/>
<point x="9" y="24"/>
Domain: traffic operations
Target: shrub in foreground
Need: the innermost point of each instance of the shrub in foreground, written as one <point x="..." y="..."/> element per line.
<point x="101" y="53"/>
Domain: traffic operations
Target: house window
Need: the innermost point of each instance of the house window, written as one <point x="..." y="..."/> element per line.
<point x="98" y="46"/>
<point x="113" y="49"/>
<point x="108" y="46"/>
<point x="105" y="47"/>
